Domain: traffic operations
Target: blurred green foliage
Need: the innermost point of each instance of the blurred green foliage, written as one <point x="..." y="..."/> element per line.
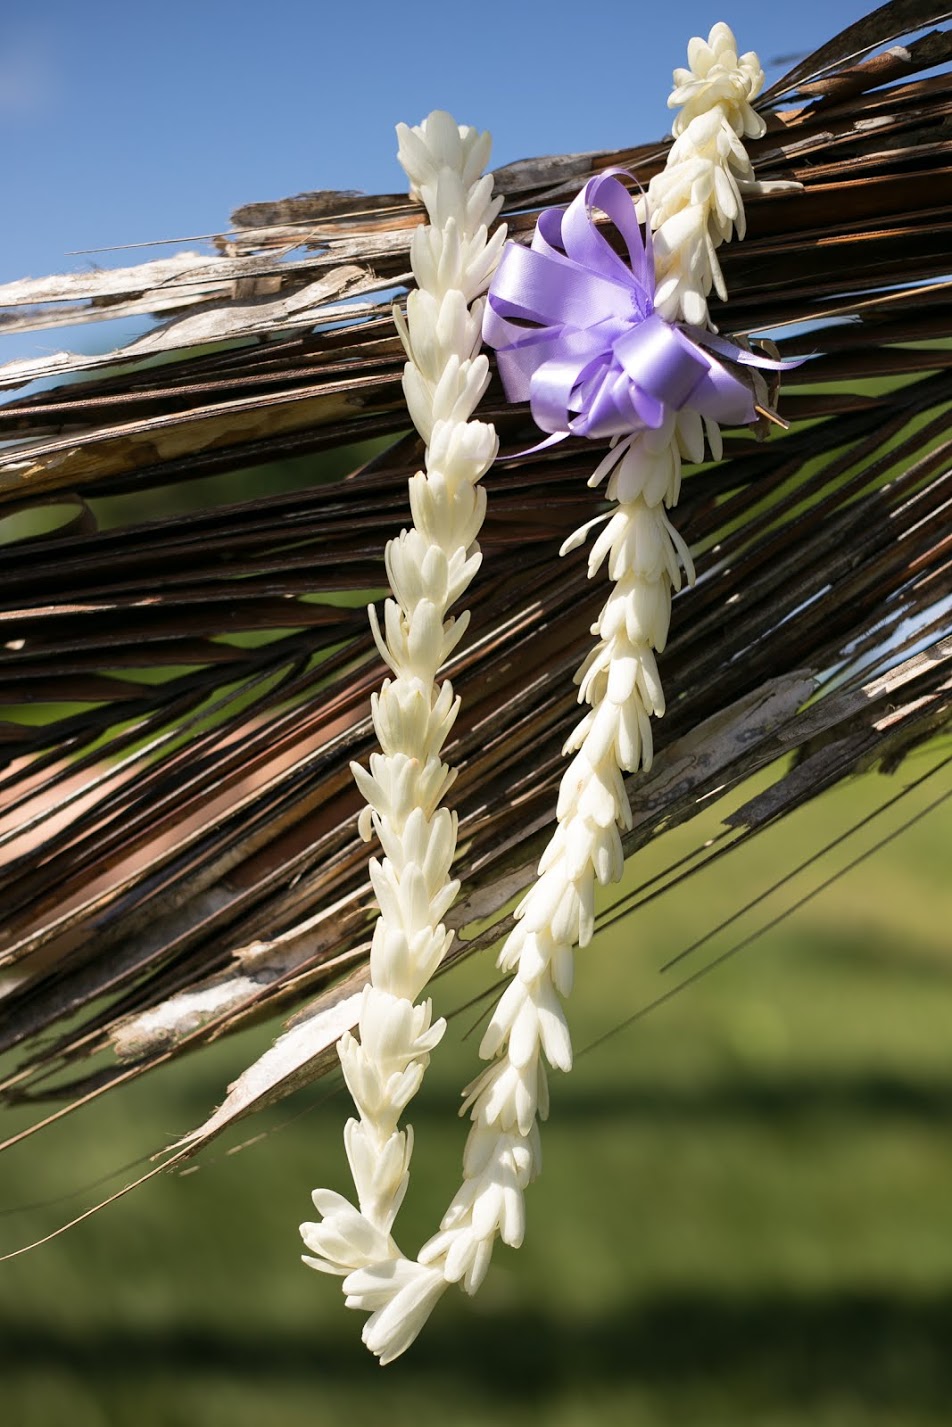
<point x="745" y="1215"/>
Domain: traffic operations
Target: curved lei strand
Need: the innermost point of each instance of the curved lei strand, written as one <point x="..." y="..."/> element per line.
<point x="429" y="567"/>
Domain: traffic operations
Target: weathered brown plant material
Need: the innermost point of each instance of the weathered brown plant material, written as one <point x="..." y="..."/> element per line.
<point x="185" y="685"/>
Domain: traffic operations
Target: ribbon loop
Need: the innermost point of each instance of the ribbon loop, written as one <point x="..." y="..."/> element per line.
<point x="598" y="360"/>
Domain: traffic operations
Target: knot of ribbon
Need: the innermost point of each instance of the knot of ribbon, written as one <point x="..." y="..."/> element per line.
<point x="598" y="360"/>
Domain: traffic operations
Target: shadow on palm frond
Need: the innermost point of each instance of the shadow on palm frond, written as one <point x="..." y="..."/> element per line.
<point x="193" y="526"/>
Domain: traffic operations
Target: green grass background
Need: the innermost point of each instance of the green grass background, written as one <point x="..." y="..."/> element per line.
<point x="745" y="1214"/>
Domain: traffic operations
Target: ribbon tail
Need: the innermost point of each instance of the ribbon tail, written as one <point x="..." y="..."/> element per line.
<point x="724" y="347"/>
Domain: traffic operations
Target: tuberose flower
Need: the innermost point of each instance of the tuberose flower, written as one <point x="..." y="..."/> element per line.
<point x="717" y="76"/>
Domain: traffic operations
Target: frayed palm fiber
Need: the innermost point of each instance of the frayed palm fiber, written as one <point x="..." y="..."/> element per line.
<point x="186" y="657"/>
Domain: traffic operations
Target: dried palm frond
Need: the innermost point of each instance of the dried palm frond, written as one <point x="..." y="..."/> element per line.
<point x="187" y="663"/>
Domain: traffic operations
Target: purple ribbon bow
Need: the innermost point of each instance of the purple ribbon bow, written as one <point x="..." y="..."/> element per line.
<point x="601" y="362"/>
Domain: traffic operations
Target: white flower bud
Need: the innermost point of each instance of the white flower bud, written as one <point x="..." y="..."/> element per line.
<point x="400" y="1295"/>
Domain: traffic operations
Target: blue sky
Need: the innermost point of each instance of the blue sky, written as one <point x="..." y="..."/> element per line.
<point x="124" y="123"/>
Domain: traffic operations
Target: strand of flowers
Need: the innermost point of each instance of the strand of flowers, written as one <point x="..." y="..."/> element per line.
<point x="692" y="211"/>
<point x="428" y="567"/>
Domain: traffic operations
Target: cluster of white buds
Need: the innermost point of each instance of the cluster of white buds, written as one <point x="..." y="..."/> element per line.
<point x="428" y="567"/>
<point x="697" y="201"/>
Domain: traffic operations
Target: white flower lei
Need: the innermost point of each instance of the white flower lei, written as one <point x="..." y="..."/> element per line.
<point x="696" y="203"/>
<point x="429" y="567"/>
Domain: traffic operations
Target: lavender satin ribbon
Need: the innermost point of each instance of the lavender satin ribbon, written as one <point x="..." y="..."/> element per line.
<point x="599" y="361"/>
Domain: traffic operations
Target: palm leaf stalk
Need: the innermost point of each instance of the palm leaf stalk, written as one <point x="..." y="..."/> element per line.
<point x="180" y="848"/>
